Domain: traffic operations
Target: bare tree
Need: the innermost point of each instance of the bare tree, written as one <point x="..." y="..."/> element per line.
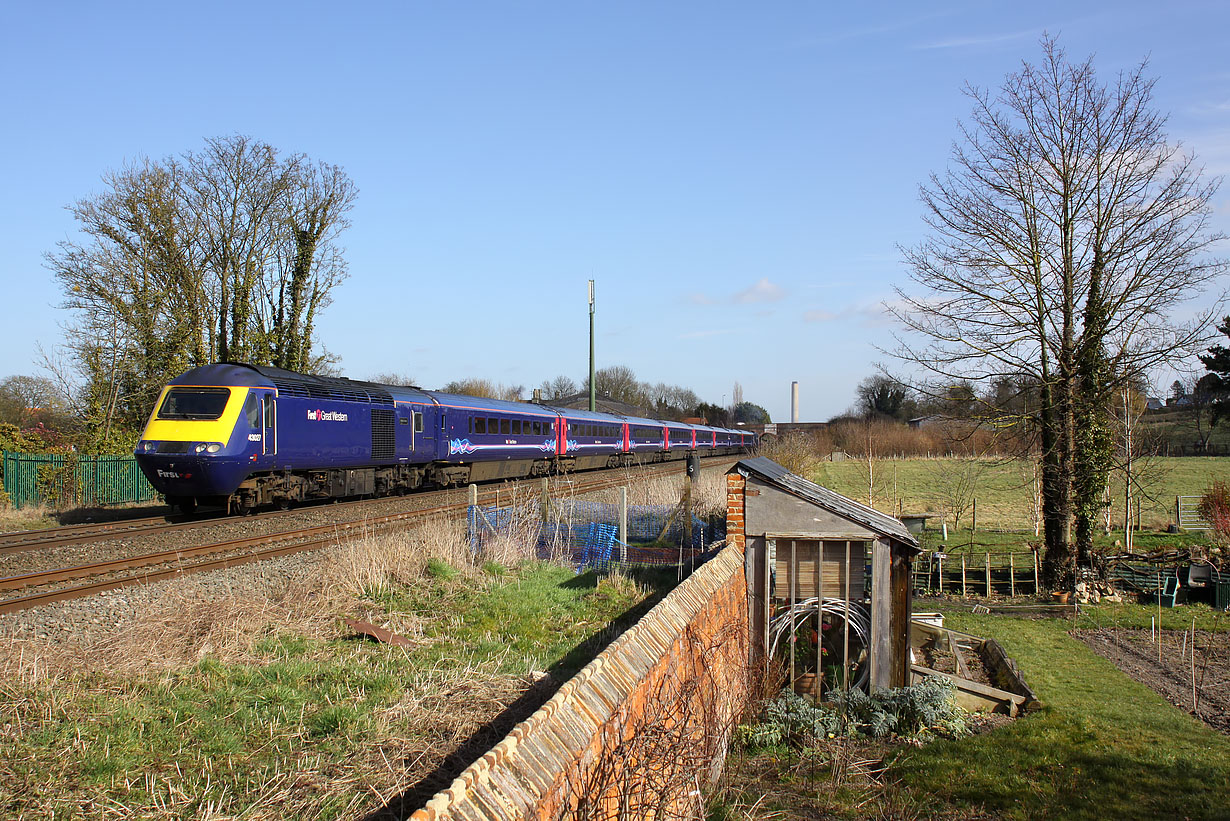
<point x="1064" y="235"/>
<point x="557" y="388"/>
<point x="228" y="253"/>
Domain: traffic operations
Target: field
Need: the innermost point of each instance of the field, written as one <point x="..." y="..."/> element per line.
<point x="1003" y="489"/>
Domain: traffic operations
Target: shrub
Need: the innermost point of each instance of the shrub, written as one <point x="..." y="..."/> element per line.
<point x="919" y="711"/>
<point x="1215" y="509"/>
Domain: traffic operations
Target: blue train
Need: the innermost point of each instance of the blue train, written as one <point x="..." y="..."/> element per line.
<point x="244" y="436"/>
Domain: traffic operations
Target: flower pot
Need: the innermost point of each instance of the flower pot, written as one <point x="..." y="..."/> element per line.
<point x="805" y="684"/>
<point x="1060" y="596"/>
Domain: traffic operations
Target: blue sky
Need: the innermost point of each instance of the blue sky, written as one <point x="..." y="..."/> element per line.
<point x="736" y="177"/>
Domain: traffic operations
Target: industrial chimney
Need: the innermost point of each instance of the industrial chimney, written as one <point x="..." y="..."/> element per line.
<point x="794" y="401"/>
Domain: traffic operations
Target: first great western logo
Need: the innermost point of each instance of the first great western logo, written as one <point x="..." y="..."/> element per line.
<point x="326" y="416"/>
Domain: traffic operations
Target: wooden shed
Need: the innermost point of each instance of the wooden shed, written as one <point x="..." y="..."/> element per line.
<point x="802" y="540"/>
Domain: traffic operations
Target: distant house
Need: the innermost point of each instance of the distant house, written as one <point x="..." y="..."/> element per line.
<point x="1153" y="403"/>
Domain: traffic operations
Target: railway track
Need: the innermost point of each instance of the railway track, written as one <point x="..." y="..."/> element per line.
<point x="78" y="581"/>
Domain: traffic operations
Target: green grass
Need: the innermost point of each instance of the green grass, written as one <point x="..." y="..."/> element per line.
<point x="1104" y="746"/>
<point x="308" y="721"/>
<point x="1004" y="488"/>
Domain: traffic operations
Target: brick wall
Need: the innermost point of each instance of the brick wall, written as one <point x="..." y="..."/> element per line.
<point x="736" y="533"/>
<point x="636" y="731"/>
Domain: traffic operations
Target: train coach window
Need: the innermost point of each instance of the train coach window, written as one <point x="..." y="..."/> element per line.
<point x="194" y="403"/>
<point x="480" y="424"/>
<point x="516" y="426"/>
<point x="493" y="425"/>
<point x="505" y="427"/>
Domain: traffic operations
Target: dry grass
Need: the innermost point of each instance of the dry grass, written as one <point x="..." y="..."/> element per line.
<point x="315" y="723"/>
<point x="708" y="492"/>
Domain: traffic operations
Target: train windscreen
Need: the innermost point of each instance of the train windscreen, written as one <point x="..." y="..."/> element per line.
<point x="194" y="403"/>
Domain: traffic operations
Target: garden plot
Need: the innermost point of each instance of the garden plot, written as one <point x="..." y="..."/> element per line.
<point x="1192" y="675"/>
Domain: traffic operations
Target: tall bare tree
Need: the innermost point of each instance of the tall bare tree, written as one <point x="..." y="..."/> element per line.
<point x="1063" y="236"/>
<point x="227" y="253"/>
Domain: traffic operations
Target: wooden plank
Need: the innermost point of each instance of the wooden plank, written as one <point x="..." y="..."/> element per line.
<point x="959" y="655"/>
<point x="881" y="612"/>
<point x="987" y="557"/>
<point x="974" y="695"/>
<point x="829" y="566"/>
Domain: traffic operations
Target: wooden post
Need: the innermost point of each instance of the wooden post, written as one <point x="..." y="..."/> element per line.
<point x="770" y="546"/>
<point x="473" y="502"/>
<point x="623" y="525"/>
<point x="880" y="652"/>
<point x="987" y="556"/>
<point x="939" y="574"/>
<point x="1011" y="575"/>
<point x="819" y="618"/>
<point x="963" y="593"/>
<point x="845" y="650"/>
<point x="973" y="524"/>
<point x="794" y="589"/>
<point x="1036" y="587"/>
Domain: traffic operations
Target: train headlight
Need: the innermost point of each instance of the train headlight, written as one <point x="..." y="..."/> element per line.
<point x="146" y="447"/>
<point x="208" y="447"/>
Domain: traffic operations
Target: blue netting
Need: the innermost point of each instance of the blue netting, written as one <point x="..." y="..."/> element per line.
<point x="586" y="533"/>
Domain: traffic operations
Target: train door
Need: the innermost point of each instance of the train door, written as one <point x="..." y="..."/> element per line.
<point x="627" y="438"/>
<point x="422" y="435"/>
<point x="269" y="433"/>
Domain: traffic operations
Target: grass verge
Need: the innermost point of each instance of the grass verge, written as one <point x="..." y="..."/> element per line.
<point x="275" y="710"/>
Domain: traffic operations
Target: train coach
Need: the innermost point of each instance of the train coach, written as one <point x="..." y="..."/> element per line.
<point x="242" y="436"/>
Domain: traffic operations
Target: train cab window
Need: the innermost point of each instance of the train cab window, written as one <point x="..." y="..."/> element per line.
<point x="194" y="403"/>
<point x="418" y="422"/>
<point x="252" y="410"/>
<point x="480" y="425"/>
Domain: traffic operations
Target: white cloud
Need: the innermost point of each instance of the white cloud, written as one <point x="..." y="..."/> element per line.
<point x="701" y="299"/>
<point x="762" y="291"/>
<point x="984" y="39"/>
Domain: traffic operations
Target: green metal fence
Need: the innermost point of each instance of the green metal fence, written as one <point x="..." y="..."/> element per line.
<point x="68" y="480"/>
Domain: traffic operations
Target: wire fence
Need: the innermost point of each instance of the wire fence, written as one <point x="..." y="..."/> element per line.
<point x="586" y="534"/>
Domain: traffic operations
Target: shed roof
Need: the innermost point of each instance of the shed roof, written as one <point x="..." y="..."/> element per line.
<point x="879" y="523"/>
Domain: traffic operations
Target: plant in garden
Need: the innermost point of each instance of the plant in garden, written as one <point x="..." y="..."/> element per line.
<point x="920" y="711"/>
<point x="1215" y="509"/>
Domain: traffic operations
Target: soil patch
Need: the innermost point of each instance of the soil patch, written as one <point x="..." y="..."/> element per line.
<point x="1171" y="672"/>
